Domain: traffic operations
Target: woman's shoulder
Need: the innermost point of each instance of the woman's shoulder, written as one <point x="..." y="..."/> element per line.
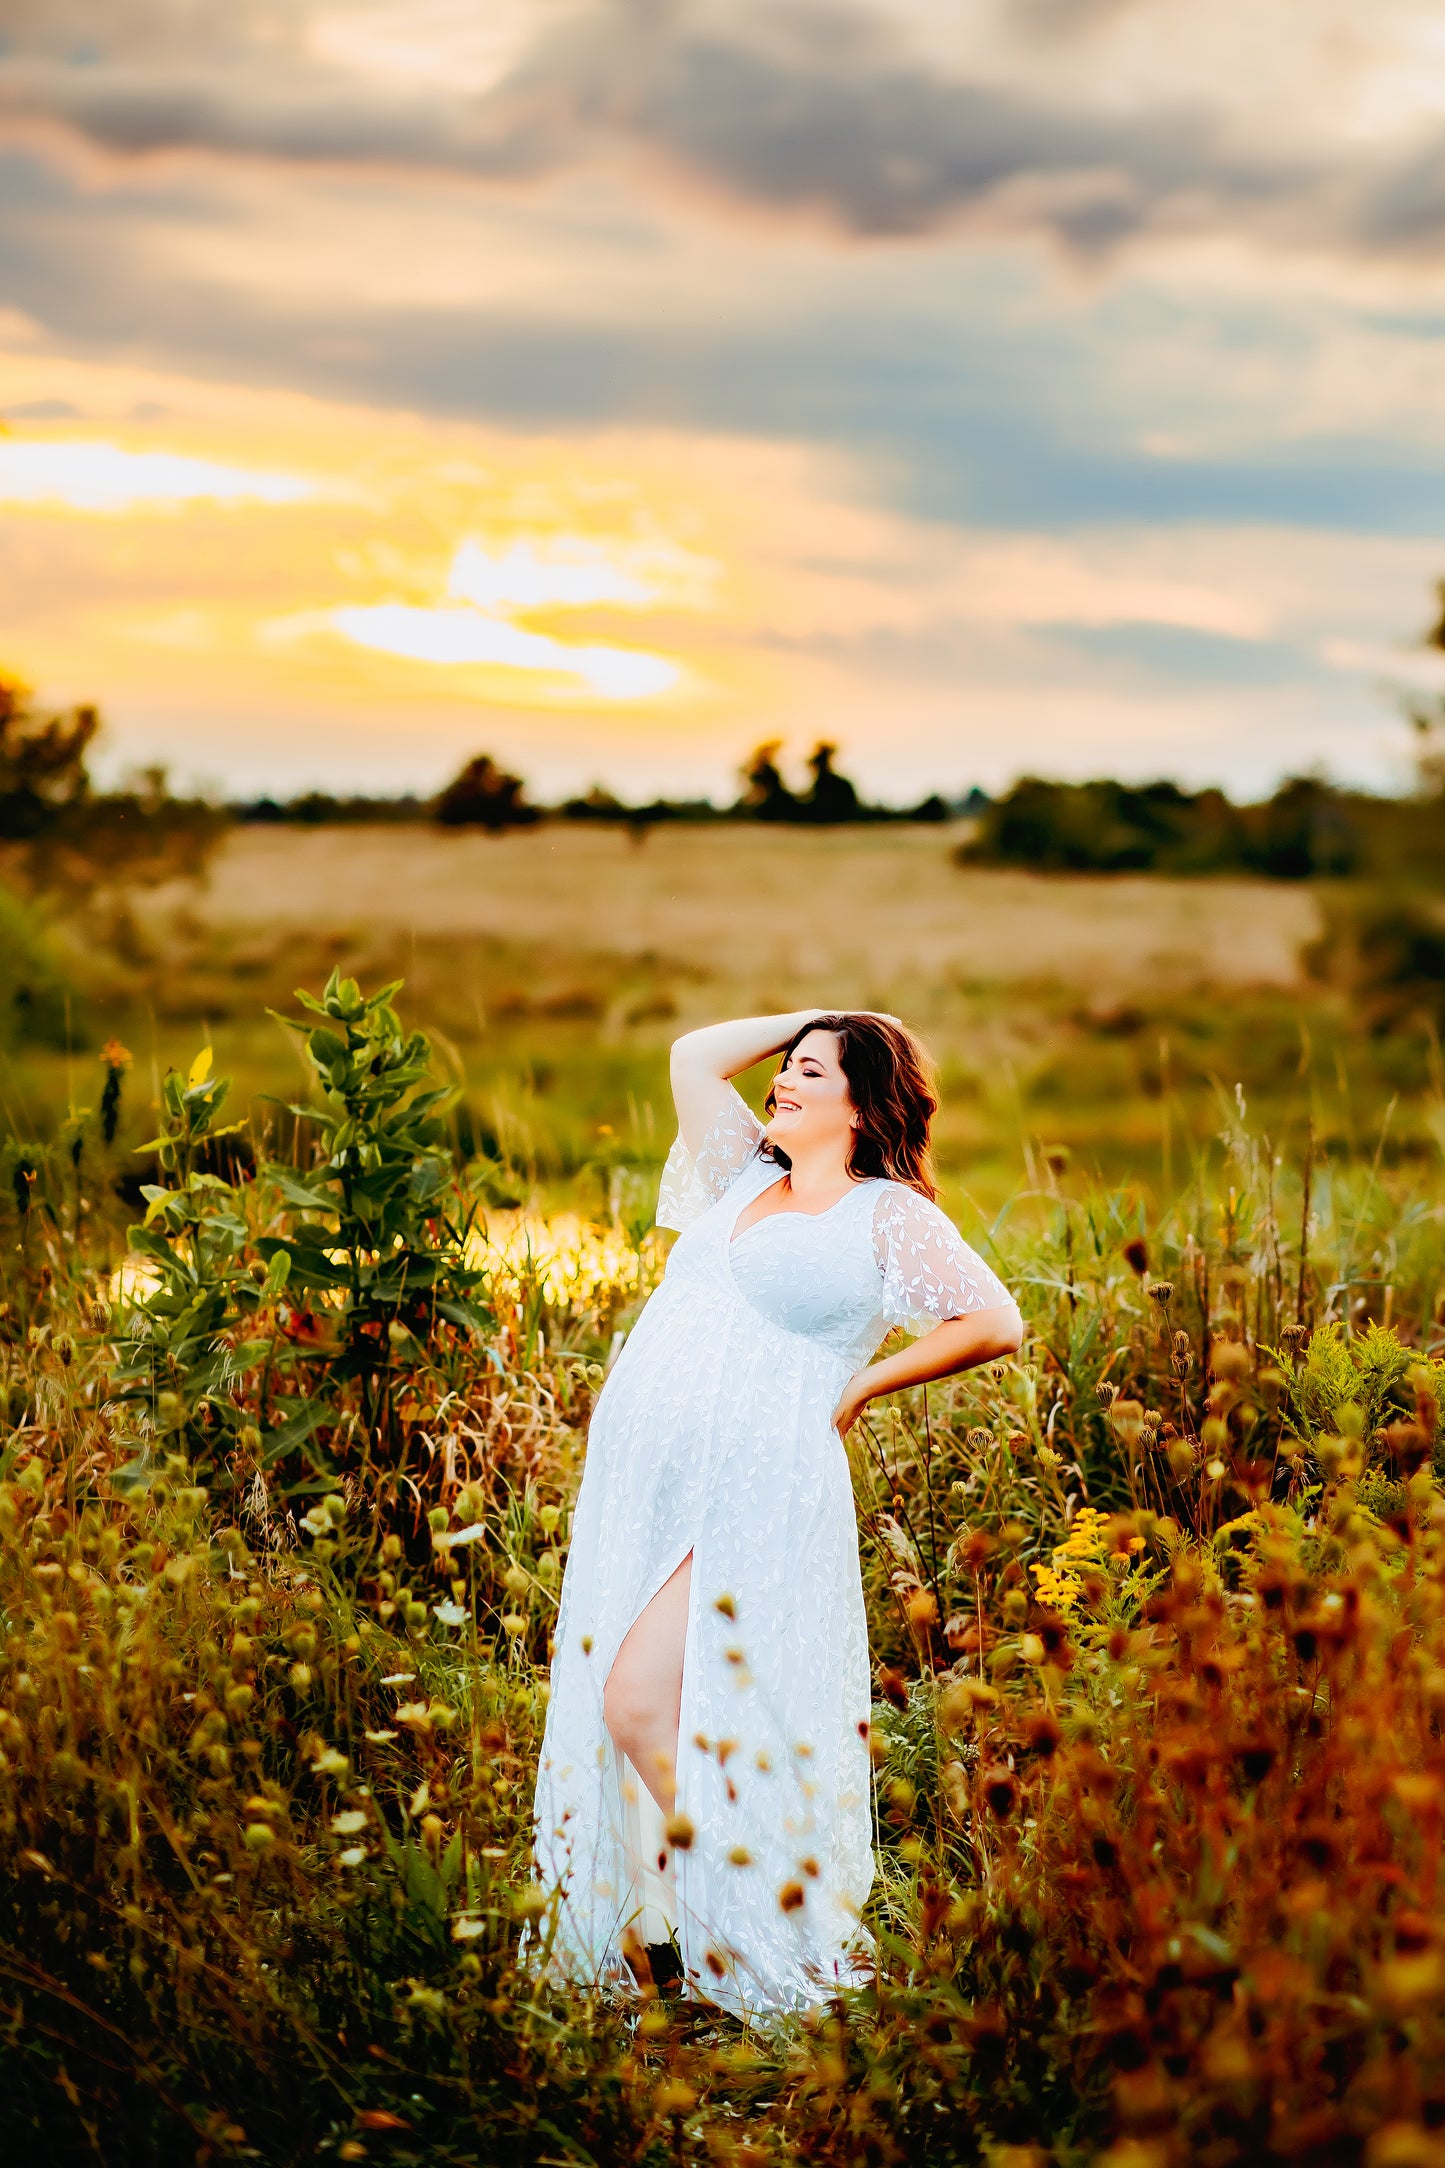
<point x="901" y="1197"/>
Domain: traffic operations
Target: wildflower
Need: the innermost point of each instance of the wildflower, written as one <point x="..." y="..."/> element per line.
<point x="674" y="2097"/>
<point x="458" y="1538"/>
<point x="1162" y="1292"/>
<point x="117" y="1061"/>
<point x="679" y="1832"/>
<point x="791" y="1896"/>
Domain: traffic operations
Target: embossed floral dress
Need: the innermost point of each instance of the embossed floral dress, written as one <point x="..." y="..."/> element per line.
<point x="712" y="1435"/>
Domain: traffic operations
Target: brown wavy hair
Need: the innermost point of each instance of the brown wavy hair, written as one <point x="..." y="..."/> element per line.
<point x="890" y="1086"/>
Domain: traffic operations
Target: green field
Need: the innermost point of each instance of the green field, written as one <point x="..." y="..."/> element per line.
<point x="1113" y="1018"/>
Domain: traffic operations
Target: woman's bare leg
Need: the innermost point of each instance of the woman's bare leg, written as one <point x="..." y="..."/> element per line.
<point x="642" y="1700"/>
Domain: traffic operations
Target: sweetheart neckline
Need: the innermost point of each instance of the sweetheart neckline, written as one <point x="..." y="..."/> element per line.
<point x="736" y="1235"/>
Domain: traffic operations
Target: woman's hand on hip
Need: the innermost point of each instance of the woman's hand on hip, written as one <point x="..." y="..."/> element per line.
<point x="854" y="1399"/>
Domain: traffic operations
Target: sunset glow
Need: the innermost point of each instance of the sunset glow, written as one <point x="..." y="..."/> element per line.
<point x="450" y="635"/>
<point x="957" y="394"/>
<point x="104" y="478"/>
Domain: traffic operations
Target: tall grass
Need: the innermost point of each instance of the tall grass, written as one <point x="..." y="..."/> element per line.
<point x="1158" y="1610"/>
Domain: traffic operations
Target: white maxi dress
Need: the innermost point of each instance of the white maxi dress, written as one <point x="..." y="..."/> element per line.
<point x="712" y="1436"/>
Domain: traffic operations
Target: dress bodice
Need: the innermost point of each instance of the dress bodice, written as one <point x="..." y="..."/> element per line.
<point x="811" y="1273"/>
<point x="883" y="1255"/>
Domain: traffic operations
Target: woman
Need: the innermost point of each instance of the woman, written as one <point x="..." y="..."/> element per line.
<point x="703" y="1799"/>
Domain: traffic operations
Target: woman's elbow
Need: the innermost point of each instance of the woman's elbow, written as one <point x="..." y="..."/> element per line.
<point x="1006" y="1332"/>
<point x="682" y="1053"/>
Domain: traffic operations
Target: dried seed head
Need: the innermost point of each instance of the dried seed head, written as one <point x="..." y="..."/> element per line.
<point x="922" y="1610"/>
<point x="1044" y="1737"/>
<point x="1000" y="1792"/>
<point x="1162" y="1292"/>
<point x="893" y="1686"/>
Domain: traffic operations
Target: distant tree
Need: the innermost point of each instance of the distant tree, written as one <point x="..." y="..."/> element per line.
<point x="832" y="798"/>
<point x="1304" y="829"/>
<point x="42" y="762"/>
<point x="600" y="804"/>
<point x="58" y="834"/>
<point x="766" y="797"/>
<point x="485" y="796"/>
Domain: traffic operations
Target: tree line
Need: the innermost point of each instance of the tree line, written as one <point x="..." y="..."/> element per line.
<point x="58" y="831"/>
<point x="484" y="794"/>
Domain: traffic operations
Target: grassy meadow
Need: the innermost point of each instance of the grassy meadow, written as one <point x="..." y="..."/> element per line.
<point x="552" y="967"/>
<point x="1157" y="1607"/>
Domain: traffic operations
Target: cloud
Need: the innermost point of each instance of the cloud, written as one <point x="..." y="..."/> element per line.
<point x="488" y="590"/>
<point x="99" y="477"/>
<point x="828" y="111"/>
<point x="454" y="636"/>
<point x="530" y="575"/>
<point x="1180" y="654"/>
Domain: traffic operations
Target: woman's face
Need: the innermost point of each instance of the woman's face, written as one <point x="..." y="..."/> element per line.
<point x="811" y="1107"/>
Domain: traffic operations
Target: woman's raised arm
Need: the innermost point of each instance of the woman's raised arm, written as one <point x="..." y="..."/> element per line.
<point x="704" y="1060"/>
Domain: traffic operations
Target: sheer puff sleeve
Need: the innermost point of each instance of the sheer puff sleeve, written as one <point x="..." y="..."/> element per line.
<point x="691" y="1182"/>
<point x="929" y="1271"/>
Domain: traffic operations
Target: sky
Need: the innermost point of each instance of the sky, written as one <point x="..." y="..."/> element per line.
<point x="1050" y="386"/>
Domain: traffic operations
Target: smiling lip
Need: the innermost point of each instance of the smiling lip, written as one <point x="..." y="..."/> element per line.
<point x="786" y="1106"/>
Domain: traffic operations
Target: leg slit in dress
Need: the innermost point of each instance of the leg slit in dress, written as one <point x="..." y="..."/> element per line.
<point x="651" y="1912"/>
